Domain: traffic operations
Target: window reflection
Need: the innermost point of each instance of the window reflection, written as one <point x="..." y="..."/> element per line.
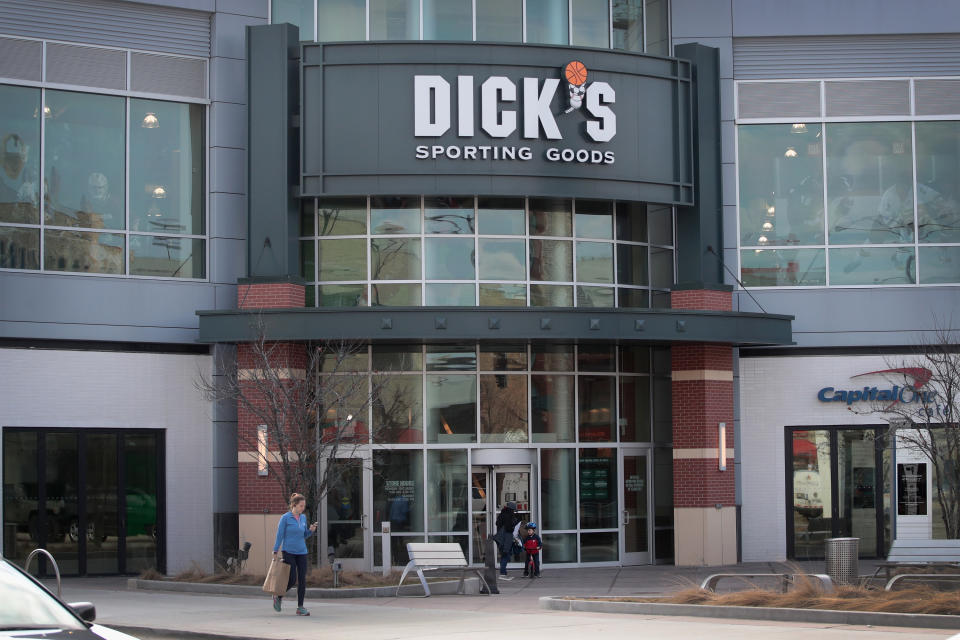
<point x="551" y="400"/>
<point x="595" y="297"/>
<point x="503" y="295"/>
<point x="500" y="216"/>
<point x="450" y="295"/>
<point x="628" y="25"/>
<point x="84" y="162"/>
<point x="595" y="262"/>
<point x="450" y="259"/>
<point x="341" y="20"/>
<point x="397" y="409"/>
<point x="20" y="155"/>
<point x="296" y="12"/>
<point x="448" y="215"/>
<point x="938" y="181"/>
<point x="547" y="21"/>
<point x="873" y="265"/>
<point x="166" y="167"/>
<point x="783" y="267"/>
<point x="342" y="259"/>
<point x="451" y="409"/>
<point x="83" y="252"/>
<point x="341" y="217"/>
<point x="395" y="215"/>
<point x="347" y="295"/>
<point x="19" y="248"/>
<point x="502" y="259"/>
<point x="597" y="408"/>
<point x="395" y="258"/>
<point x="939" y="265"/>
<point x="447" y="490"/>
<point x="395" y="295"/>
<point x="398" y="490"/>
<point x="503" y="408"/>
<point x="499" y="20"/>
<point x="781" y="198"/>
<point x="869" y="179"/>
<point x="551" y="260"/>
<point x="447" y="20"/>
<point x="394" y="19"/>
<point x="558" y="490"/>
<point x="591" y="23"/>
<point x="167" y="257"/>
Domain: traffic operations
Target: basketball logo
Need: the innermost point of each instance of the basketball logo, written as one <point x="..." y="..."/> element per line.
<point x="575" y="73"/>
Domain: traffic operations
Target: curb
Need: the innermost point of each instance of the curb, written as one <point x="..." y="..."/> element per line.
<point x="149" y="632"/>
<point x="827" y="616"/>
<point x="447" y="587"/>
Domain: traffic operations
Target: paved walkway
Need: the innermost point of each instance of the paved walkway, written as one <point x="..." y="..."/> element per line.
<point x="517" y="607"/>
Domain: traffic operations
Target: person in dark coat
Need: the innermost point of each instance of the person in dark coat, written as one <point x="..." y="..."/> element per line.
<point x="507" y="521"/>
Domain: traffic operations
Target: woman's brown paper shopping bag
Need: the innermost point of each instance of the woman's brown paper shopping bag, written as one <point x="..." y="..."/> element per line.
<point x="277" y="576"/>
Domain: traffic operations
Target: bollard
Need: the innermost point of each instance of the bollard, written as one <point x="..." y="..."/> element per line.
<point x="490" y="565"/>
<point x="385" y="547"/>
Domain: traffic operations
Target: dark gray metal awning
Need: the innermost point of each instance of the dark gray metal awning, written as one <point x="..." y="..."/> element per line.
<point x="439" y="324"/>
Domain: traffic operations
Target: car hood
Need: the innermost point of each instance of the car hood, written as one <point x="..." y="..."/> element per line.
<point x="95" y="632"/>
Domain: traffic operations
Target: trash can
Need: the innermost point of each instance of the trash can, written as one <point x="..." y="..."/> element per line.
<point x="843" y="564"/>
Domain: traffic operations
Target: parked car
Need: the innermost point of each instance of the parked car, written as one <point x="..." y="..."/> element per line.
<point x="28" y="610"/>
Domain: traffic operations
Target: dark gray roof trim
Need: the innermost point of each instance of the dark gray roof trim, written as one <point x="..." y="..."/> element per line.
<point x="437" y="324"/>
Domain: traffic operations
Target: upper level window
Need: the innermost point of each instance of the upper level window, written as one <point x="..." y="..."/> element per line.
<point x="468" y="251"/>
<point x="618" y="24"/>
<point x="99" y="213"/>
<point x="849" y="203"/>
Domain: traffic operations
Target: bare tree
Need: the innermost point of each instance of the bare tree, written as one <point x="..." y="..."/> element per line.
<point x="310" y="402"/>
<point x="922" y="410"/>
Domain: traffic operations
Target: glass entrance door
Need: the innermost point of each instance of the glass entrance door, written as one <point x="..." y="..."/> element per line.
<point x="346" y="531"/>
<point x="492" y="488"/>
<point x="636" y="499"/>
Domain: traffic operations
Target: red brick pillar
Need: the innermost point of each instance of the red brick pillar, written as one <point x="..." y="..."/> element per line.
<point x="704" y="509"/>
<point x="261" y="497"/>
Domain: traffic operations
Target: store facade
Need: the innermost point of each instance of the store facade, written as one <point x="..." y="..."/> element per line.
<point x="489" y="221"/>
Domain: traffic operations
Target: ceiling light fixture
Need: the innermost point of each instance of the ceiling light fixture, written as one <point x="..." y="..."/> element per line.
<point x="150" y="121"/>
<point x="798" y="128"/>
<point x="790" y="153"/>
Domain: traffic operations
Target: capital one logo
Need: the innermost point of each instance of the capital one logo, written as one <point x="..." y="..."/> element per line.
<point x="502" y="112"/>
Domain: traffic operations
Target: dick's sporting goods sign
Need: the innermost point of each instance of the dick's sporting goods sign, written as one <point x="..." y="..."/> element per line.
<point x="405" y="118"/>
<point x="533" y="119"/>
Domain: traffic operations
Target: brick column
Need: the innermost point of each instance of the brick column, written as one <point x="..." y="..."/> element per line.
<point x="704" y="510"/>
<point x="261" y="498"/>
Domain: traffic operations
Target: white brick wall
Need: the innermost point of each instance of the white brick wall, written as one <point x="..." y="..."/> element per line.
<point x="777" y="393"/>
<point x="95" y="389"/>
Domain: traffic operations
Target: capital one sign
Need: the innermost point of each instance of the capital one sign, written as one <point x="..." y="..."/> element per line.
<point x="506" y="109"/>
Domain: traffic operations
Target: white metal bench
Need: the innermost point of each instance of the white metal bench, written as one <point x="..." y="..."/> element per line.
<point x="908" y="552"/>
<point x="427" y="556"/>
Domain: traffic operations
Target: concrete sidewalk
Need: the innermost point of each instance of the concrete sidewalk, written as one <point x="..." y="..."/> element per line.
<point x="163" y="615"/>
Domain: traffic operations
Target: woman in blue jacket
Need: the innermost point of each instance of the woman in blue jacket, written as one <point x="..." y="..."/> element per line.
<point x="292" y="533"/>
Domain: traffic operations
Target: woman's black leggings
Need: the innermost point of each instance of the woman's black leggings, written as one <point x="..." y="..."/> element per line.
<point x="298" y="573"/>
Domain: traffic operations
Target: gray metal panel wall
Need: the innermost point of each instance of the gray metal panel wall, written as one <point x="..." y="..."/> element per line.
<point x="846" y="56"/>
<point x="109" y="23"/>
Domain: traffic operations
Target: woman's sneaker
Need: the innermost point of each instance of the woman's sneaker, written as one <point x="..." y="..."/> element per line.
<point x="276" y="603"/>
<point x="302" y="612"/>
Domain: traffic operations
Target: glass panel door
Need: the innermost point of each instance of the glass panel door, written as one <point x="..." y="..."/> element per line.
<point x="21" y="521"/>
<point x="346" y="521"/>
<point x="512" y="484"/>
<point x="857" y="502"/>
<point x="141" y="522"/>
<point x="62" y="501"/>
<point x="102" y="513"/>
<point x="635" y="498"/>
<point x="812" y="521"/>
<point x="483" y="515"/>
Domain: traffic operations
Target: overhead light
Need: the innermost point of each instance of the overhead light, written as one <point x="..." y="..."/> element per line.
<point x="46" y="112"/>
<point x="159" y="192"/>
<point x="150" y="121"/>
<point x="767" y="226"/>
<point x="798" y="128"/>
<point x="790" y="153"/>
<point x="771" y="210"/>
<point x="762" y="240"/>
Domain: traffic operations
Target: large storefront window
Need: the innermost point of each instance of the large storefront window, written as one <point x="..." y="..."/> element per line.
<point x="840" y="479"/>
<point x="892" y="205"/>
<point x="102" y="214"/>
<point x="466" y="251"/>
<point x="93" y="498"/>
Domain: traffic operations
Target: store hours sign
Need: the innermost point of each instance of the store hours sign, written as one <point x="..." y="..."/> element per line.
<point x="405" y="118"/>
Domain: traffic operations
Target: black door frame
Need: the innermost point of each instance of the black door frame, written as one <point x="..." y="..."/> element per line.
<point x="879" y="440"/>
<point x="81" y="434"/>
